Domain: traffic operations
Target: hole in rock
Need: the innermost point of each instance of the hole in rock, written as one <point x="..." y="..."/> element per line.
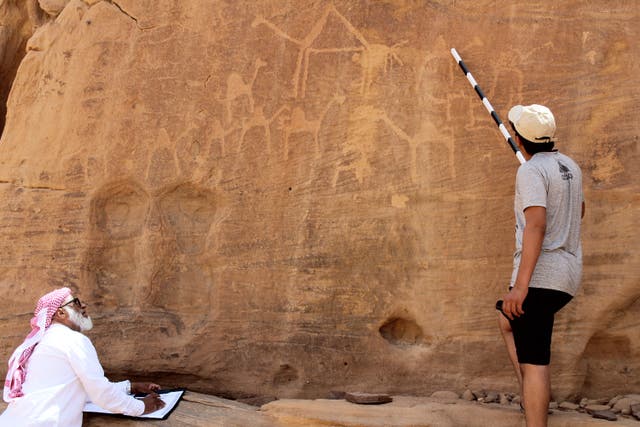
<point x="401" y="331"/>
<point x="285" y="375"/>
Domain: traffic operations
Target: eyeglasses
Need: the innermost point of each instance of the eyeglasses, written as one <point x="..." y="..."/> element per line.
<point x="75" y="301"/>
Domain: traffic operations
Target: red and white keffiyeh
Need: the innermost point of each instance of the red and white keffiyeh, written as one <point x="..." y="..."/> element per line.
<point x="45" y="309"/>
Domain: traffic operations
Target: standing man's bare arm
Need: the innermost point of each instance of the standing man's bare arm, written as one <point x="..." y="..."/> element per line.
<point x="532" y="238"/>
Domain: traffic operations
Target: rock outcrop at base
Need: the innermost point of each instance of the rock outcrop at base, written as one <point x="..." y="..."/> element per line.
<point x="285" y="198"/>
<point x="209" y="411"/>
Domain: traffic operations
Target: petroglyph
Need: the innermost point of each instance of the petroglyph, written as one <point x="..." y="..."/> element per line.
<point x="372" y="57"/>
<point x="298" y="124"/>
<point x="163" y="163"/>
<point x="148" y="249"/>
<point x="258" y="119"/>
<point x="219" y="133"/>
<point x="437" y="101"/>
<point x="411" y="141"/>
<point x="188" y="212"/>
<point x="119" y="210"/>
<point x="118" y="217"/>
<point x="360" y="144"/>
<point x="378" y="57"/>
<point x="237" y="88"/>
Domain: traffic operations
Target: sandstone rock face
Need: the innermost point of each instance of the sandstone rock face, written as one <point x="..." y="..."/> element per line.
<point x="17" y="19"/>
<point x="409" y="411"/>
<point x="282" y="198"/>
<point x="209" y="411"/>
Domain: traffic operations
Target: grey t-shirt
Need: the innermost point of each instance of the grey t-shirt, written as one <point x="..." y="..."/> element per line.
<point x="553" y="181"/>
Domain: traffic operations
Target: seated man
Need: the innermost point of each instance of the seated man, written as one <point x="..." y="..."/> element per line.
<point x="56" y="370"/>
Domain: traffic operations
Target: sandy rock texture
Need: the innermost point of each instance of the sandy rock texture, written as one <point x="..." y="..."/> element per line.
<point x="16" y="26"/>
<point x="416" y="412"/>
<point x="281" y="198"/>
<point x="203" y="410"/>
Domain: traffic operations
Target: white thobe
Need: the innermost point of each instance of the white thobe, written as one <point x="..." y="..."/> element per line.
<point x="64" y="373"/>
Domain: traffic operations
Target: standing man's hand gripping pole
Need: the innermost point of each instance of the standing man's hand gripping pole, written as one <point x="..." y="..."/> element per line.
<point x="532" y="238"/>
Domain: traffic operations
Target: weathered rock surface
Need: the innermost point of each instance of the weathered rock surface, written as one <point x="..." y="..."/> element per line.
<point x="468" y="395"/>
<point x="416" y="412"/>
<point x="445" y="396"/>
<point x="367" y="398"/>
<point x="193" y="410"/>
<point x="17" y="21"/>
<point x="209" y="411"/>
<point x="569" y="406"/>
<point x="635" y="411"/>
<point x="624" y="404"/>
<point x="282" y="198"/>
<point x="604" y="415"/>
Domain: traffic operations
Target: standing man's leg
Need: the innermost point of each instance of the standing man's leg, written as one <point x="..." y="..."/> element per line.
<point x="531" y="336"/>
<point x="507" y="336"/>
<point x="536" y="391"/>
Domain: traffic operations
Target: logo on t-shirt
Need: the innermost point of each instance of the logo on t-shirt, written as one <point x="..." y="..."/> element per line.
<point x="565" y="172"/>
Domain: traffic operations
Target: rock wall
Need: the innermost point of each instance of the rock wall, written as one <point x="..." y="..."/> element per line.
<point x="17" y="21"/>
<point x="280" y="198"/>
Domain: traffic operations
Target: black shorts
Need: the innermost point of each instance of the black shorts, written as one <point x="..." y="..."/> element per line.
<point x="532" y="330"/>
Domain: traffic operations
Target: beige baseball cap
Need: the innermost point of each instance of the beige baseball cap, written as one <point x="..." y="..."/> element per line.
<point x="533" y="122"/>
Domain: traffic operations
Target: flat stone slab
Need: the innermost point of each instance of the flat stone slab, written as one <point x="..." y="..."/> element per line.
<point x="367" y="398"/>
<point x="569" y="406"/>
<point x="605" y="415"/>
<point x="635" y="411"/>
<point x="596" y="407"/>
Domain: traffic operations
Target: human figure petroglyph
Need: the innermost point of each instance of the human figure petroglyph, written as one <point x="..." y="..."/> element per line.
<point x="237" y="87"/>
<point x="361" y="140"/>
<point x="360" y="143"/>
<point x="219" y="133"/>
<point x="506" y="80"/>
<point x="163" y="154"/>
<point x="411" y="141"/>
<point x="298" y="123"/>
<point x="437" y="101"/>
<point x="431" y="90"/>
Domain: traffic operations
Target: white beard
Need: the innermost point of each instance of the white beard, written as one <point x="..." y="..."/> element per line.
<point x="83" y="323"/>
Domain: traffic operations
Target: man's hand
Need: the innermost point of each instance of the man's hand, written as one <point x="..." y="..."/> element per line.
<point x="512" y="305"/>
<point x="144" y="388"/>
<point x="152" y="403"/>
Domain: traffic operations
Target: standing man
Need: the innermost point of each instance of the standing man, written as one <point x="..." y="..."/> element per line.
<point x="56" y="371"/>
<point x="547" y="263"/>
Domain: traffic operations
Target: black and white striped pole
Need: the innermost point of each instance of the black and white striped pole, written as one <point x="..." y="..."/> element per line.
<point x="489" y="107"/>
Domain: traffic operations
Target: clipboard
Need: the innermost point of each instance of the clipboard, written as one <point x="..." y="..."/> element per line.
<point x="171" y="398"/>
